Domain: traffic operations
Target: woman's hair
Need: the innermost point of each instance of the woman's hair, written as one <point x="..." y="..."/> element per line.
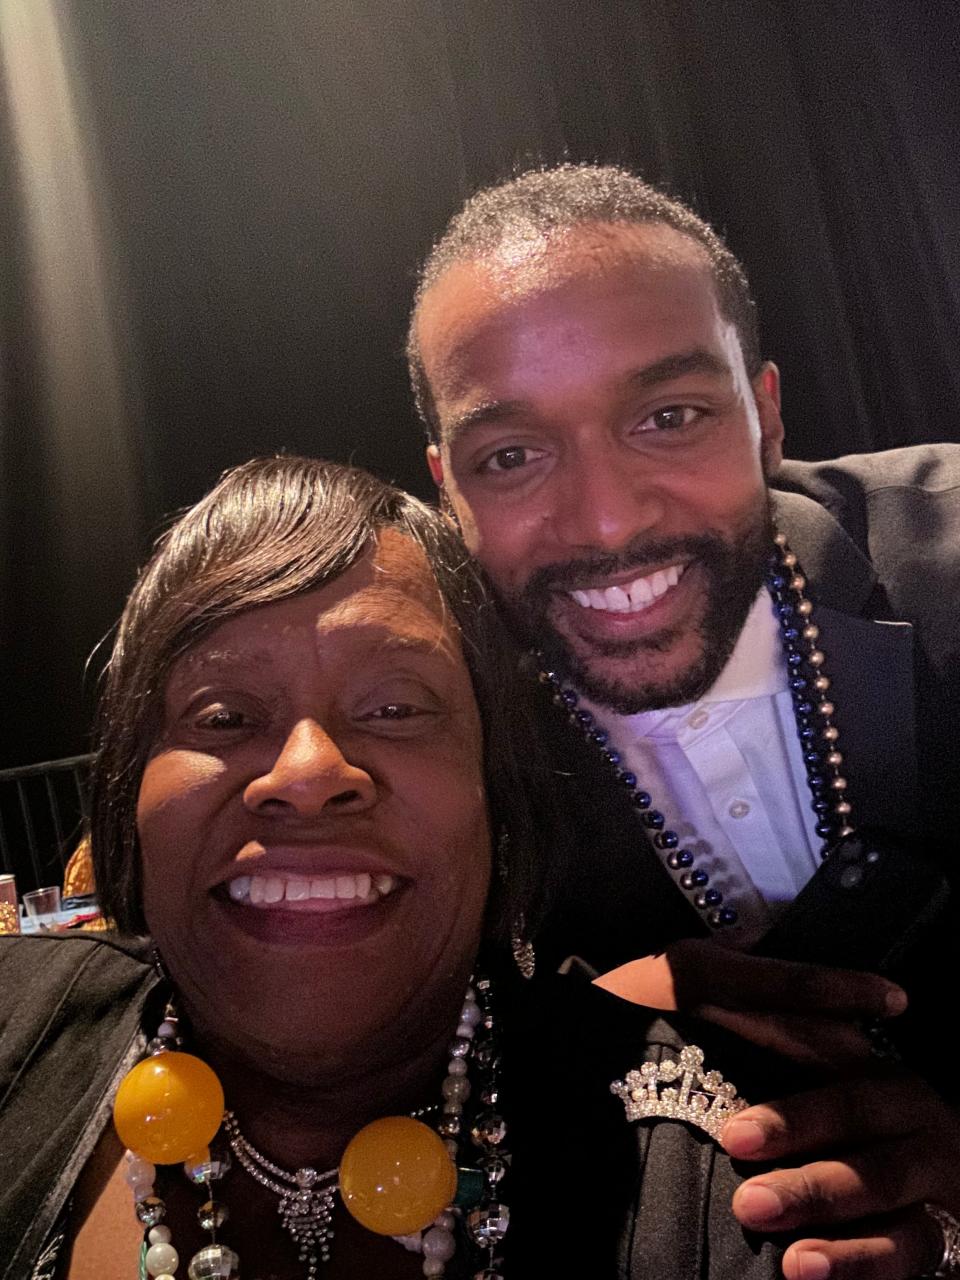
<point x="271" y="529"/>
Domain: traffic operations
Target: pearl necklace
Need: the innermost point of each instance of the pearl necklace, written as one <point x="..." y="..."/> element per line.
<point x="813" y="712"/>
<point x="306" y="1198"/>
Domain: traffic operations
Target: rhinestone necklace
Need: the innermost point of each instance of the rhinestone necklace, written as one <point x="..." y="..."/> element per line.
<point x="813" y="712"/>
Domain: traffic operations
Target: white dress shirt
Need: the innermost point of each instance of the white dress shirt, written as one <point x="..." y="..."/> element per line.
<point x="727" y="773"/>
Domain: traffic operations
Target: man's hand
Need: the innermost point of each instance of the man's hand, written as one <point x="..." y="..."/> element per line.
<point x="805" y="1011"/>
<point x="883" y="1147"/>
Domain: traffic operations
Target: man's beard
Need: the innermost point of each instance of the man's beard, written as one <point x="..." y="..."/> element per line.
<point x="734" y="572"/>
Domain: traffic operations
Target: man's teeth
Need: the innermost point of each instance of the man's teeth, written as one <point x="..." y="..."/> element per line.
<point x="630" y="597"/>
<point x="345" y="886"/>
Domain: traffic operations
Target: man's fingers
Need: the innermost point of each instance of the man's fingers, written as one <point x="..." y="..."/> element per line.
<point x="818" y="1042"/>
<point x="890" y="1176"/>
<point x="903" y="1246"/>
<point x="839" y="1116"/>
<point x="703" y="974"/>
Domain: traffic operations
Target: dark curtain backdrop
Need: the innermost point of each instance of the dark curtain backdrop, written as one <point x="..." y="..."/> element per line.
<point x="210" y="215"/>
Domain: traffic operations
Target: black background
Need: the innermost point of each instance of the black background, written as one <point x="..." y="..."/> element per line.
<point x="211" y="215"/>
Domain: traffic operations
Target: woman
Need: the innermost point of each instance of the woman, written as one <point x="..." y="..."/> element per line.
<point x="310" y="740"/>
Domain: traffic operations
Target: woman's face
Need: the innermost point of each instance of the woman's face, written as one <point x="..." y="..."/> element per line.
<point x="313" y="825"/>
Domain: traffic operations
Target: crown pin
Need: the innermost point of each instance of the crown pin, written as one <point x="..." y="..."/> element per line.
<point x="708" y="1106"/>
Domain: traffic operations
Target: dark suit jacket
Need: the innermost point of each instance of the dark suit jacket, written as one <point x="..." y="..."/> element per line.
<point x="878" y="539"/>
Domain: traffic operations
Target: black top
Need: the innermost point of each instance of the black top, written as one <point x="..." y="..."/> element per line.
<point x="589" y="1193"/>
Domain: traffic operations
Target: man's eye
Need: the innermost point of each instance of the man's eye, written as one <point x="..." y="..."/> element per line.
<point x="396" y="711"/>
<point x="670" y="417"/>
<point x="508" y="459"/>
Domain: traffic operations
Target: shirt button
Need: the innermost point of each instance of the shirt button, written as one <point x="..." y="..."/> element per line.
<point x="698" y="718"/>
<point x="738" y="809"/>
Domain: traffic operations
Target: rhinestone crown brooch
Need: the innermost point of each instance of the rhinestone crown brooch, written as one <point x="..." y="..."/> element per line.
<point x="702" y="1098"/>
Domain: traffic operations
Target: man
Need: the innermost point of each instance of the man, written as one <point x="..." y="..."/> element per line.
<point x="585" y="355"/>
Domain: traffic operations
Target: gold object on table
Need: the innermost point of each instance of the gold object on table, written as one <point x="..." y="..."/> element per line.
<point x="9" y="911"/>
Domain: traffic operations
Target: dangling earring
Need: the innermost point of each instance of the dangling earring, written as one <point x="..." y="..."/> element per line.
<point x="523" y="953"/>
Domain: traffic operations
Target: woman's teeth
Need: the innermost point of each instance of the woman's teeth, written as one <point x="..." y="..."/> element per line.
<point x="361" y="888"/>
<point x="631" y="597"/>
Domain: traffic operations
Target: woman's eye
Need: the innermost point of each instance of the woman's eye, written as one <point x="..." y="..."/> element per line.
<point x="222" y="718"/>
<point x="670" y="417"/>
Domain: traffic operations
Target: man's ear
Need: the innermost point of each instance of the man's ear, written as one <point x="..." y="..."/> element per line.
<point x="766" y="393"/>
<point x="435" y="463"/>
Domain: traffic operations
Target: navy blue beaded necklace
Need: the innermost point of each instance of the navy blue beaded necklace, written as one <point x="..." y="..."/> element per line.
<point x="812" y="710"/>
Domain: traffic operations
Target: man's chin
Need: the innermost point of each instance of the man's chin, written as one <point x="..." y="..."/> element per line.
<point x="648" y="682"/>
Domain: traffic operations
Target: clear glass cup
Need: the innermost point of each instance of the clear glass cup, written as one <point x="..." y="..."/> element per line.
<point x="42" y="905"/>
<point x="9" y="911"/>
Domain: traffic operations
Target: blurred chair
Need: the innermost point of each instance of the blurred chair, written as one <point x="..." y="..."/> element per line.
<point x="43" y="811"/>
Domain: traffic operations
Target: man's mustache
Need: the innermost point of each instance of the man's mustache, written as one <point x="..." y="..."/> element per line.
<point x="639" y="557"/>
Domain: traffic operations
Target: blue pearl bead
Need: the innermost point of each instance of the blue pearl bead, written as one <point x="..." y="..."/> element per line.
<point x="584" y="718"/>
<point x="680" y="858"/>
<point x="666" y="839"/>
<point x="811" y="759"/>
<point x="785" y="610"/>
<point x="694" y="879"/>
<point x="599" y="736"/>
<point x="790" y="634"/>
<point x="803" y="707"/>
<point x="794" y="659"/>
<point x="821" y="806"/>
<point x="776" y="581"/>
<point x="798" y="684"/>
<point x="569" y="697"/>
<point x="824" y="829"/>
<point x="613" y="757"/>
<point x="728" y="915"/>
<point x="807" y="733"/>
<point x="627" y="778"/>
<point x="653" y="819"/>
<point x="642" y="799"/>
<point x="713" y="897"/>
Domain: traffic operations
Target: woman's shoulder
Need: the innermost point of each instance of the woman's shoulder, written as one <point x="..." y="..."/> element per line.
<point x="33" y="965"/>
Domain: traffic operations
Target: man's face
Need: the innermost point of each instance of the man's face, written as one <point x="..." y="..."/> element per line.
<point x="605" y="453"/>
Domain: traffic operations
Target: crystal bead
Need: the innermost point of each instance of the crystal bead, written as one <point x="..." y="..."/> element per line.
<point x="487" y="1224"/>
<point x="459" y="1047"/>
<point x="150" y="1210"/>
<point x="489" y="1130"/>
<point x="215" y="1262"/>
<point x="212" y="1215"/>
<point x="161" y="1259"/>
<point x="449" y="1127"/>
<point x="494" y="1170"/>
<point x="209" y="1166"/>
<point x="490" y="1095"/>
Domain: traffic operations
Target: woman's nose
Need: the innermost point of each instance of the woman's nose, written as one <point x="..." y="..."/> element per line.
<point x="310" y="776"/>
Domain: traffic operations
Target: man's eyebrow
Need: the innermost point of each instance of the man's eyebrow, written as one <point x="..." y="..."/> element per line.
<point x="483" y="415"/>
<point x="697" y="360"/>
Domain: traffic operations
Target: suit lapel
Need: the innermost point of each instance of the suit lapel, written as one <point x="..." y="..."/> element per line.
<point x="870" y="664"/>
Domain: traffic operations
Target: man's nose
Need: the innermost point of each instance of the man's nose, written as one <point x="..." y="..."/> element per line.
<point x="605" y="501"/>
<point x="310" y="776"/>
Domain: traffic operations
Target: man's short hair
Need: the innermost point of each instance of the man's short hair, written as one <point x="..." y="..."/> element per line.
<point x="545" y="201"/>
